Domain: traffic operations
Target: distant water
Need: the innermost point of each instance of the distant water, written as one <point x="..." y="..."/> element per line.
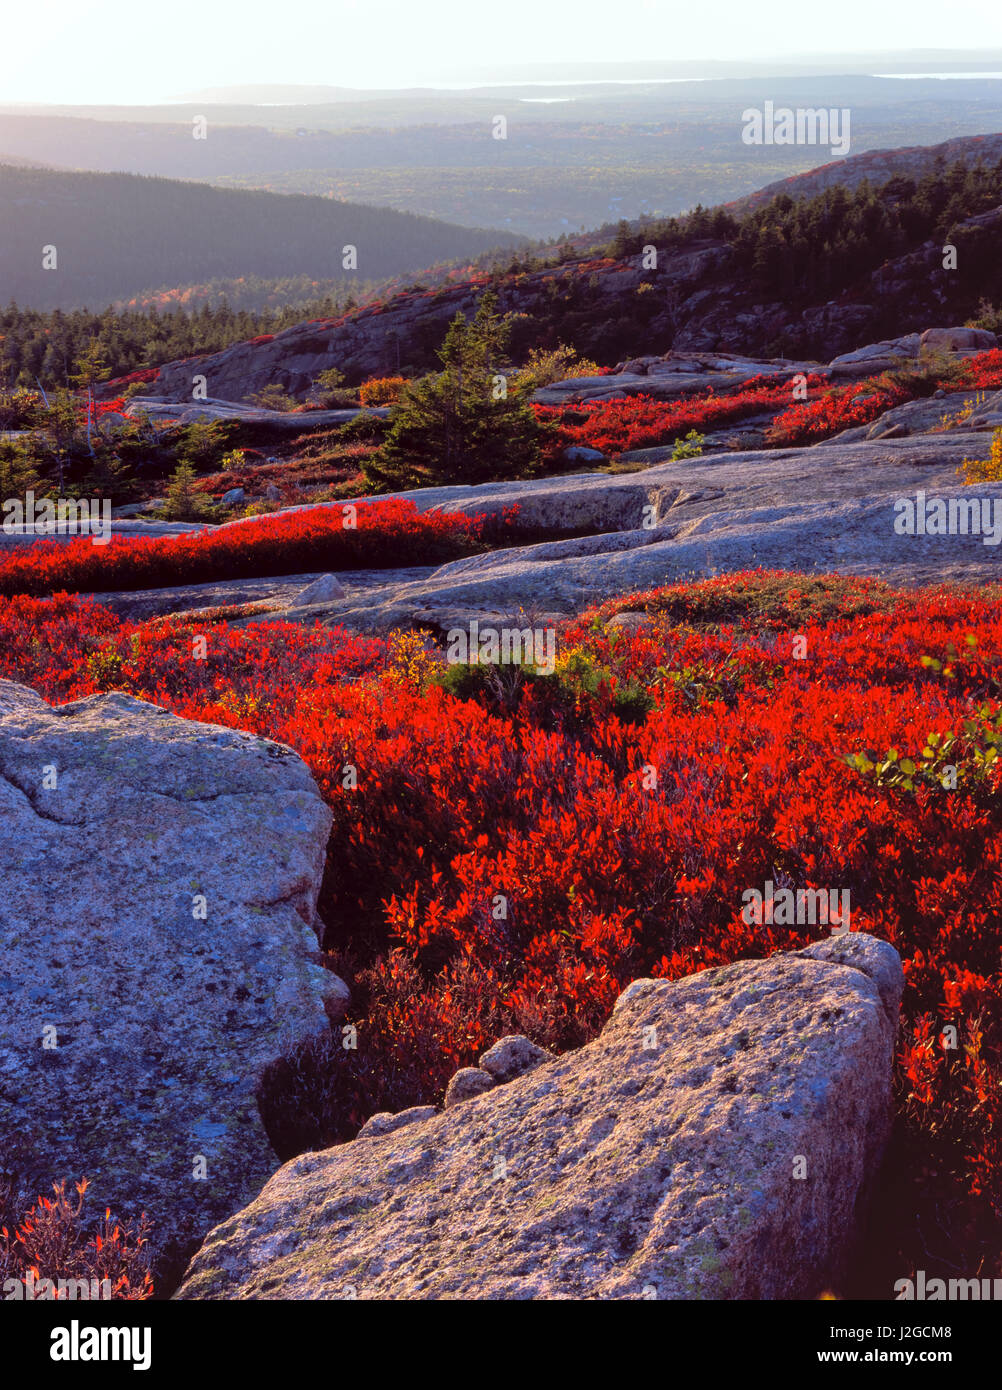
<point x="905" y="76"/>
<point x="568" y="82"/>
<point x="484" y="86"/>
<point x="582" y="82"/>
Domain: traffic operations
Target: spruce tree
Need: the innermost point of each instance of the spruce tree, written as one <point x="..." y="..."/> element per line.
<point x="468" y="423"/>
<point x="183" y="501"/>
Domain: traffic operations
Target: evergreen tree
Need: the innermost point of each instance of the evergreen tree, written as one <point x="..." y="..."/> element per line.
<point x="91" y="366"/>
<point x="466" y="423"/>
<point x="769" y="261"/>
<point x="61" y="434"/>
<point x="183" y="502"/>
<point x="110" y="477"/>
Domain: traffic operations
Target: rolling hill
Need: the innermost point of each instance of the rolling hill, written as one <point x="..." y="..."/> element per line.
<point x="117" y="235"/>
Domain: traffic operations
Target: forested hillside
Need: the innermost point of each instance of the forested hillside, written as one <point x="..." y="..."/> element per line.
<point x="40" y="347"/>
<point x="812" y="245"/>
<point x="117" y="235"/>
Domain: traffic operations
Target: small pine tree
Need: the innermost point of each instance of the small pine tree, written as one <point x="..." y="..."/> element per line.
<point x="203" y="443"/>
<point x="61" y="433"/>
<point x="183" y="502"/>
<point x="467" y="423"/>
<point x="622" y="244"/>
<point x="274" y="397"/>
<point x="21" y="467"/>
<point x="91" y="367"/>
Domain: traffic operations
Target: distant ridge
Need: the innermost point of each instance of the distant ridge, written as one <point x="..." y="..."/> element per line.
<point x="912" y="161"/>
<point x="20" y="162"/>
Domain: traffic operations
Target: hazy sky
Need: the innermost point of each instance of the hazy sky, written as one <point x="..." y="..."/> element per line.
<point x="108" y="51"/>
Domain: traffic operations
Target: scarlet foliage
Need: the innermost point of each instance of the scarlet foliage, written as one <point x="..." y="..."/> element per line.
<point x="983" y="371"/>
<point x="546" y="799"/>
<point x="378" y="534"/>
<point x="107" y="407"/>
<point x="119" y="383"/>
<point x="639" y="422"/>
<point x="843" y="407"/>
<point x="50" y="1242"/>
<point x="840" y="408"/>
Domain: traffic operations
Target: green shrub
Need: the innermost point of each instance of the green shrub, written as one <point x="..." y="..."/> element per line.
<point x="18" y="408"/>
<point x="21" y="465"/>
<point x="544" y="366"/>
<point x="578" y="689"/>
<point x="923" y="377"/>
<point x="274" y="397"/>
<point x="690" y="447"/>
<point x="183" y="501"/>
<point x="987" y="317"/>
<point x="364" y="429"/>
<point x="201" y="444"/>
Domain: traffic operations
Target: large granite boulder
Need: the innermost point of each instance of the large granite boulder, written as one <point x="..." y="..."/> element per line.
<point x="717" y="1140"/>
<point x="675" y="374"/>
<point x="959" y="339"/>
<point x="157" y="950"/>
